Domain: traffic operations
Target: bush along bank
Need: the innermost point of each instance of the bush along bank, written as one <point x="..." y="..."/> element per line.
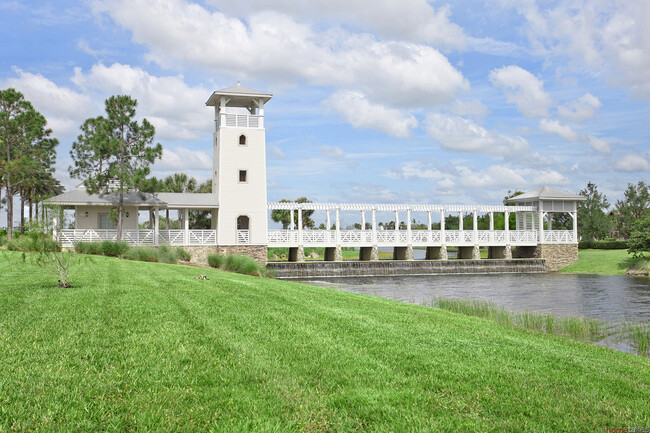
<point x="161" y="254"/>
<point x="240" y="264"/>
<point x="603" y="245"/>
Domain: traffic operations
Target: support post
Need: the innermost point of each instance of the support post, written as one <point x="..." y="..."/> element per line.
<point x="55" y="228"/>
<point x="338" y="228"/>
<point x="541" y="227"/>
<point x="374" y="227"/>
<point x="506" y="222"/>
<point x="574" y="216"/>
<point x="396" y="226"/>
<point x="156" y="227"/>
<point x="491" y="226"/>
<point x="363" y="220"/>
<point x="186" y="222"/>
<point x="291" y="224"/>
<point x="300" y="226"/>
<point x="475" y="226"/>
<point x="408" y="228"/>
<point x="443" y="239"/>
<point x="460" y="223"/>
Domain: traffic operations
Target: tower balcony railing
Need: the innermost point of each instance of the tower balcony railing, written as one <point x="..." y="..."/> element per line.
<point x="228" y="120"/>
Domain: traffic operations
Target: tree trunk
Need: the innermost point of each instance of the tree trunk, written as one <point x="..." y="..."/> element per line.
<point x="31" y="206"/>
<point x="167" y="219"/>
<point x="120" y="210"/>
<point x="36" y="210"/>
<point x="10" y="211"/>
<point x="22" y="212"/>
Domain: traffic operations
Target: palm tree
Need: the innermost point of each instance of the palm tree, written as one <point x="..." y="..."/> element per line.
<point x="179" y="183"/>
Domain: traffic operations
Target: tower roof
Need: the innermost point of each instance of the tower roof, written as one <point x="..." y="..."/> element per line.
<point x="545" y="193"/>
<point x="238" y="96"/>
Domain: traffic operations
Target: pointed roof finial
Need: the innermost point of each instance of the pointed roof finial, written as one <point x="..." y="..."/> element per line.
<point x="238" y="83"/>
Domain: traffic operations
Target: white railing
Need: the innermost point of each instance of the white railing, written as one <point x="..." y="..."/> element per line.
<point x="69" y="237"/>
<point x="289" y="238"/>
<point x="558" y="237"/>
<point x="523" y="237"/>
<point x="238" y="121"/>
<point x="243" y="237"/>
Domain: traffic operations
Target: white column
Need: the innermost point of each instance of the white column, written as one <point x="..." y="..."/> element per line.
<point x="156" y="227"/>
<point x="328" y="222"/>
<point x="260" y="113"/>
<point x="460" y="221"/>
<point x="429" y="220"/>
<point x="491" y="226"/>
<point x="475" y="226"/>
<point x="186" y="221"/>
<point x="374" y="227"/>
<point x="300" y="226"/>
<point x="541" y="227"/>
<point x="55" y="222"/>
<point x="574" y="216"/>
<point x="408" y="227"/>
<point x="397" y="224"/>
<point x="507" y="226"/>
<point x="292" y="226"/>
<point x="363" y="220"/>
<point x="338" y="226"/>
<point x="443" y="240"/>
<point x="549" y="218"/>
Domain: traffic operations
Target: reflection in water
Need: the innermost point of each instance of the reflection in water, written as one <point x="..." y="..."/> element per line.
<point x="607" y="298"/>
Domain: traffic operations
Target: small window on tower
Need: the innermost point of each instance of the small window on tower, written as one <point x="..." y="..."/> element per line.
<point x="242" y="175"/>
<point x="242" y="140"/>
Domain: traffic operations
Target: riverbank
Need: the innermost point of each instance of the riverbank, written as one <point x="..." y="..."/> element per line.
<point x="146" y="346"/>
<point x="607" y="262"/>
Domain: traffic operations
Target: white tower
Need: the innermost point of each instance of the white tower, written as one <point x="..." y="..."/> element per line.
<point x="239" y="168"/>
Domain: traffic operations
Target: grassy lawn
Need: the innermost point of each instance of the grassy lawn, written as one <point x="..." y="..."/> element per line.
<point x="137" y="346"/>
<point x="610" y="262"/>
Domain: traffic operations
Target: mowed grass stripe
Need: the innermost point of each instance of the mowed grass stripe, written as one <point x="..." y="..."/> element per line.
<point x="146" y="347"/>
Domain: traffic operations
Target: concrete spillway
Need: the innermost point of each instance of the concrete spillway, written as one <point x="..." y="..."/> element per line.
<point x="399" y="267"/>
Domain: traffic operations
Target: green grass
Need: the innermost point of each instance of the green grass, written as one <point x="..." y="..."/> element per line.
<point x="609" y="262"/>
<point x="137" y="346"/>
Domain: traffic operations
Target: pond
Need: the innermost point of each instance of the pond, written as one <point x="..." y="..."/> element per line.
<point x="612" y="299"/>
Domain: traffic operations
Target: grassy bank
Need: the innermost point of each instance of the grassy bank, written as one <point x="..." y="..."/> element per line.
<point x="138" y="346"/>
<point x="609" y="262"/>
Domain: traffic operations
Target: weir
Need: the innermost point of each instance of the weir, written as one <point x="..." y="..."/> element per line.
<point x="288" y="270"/>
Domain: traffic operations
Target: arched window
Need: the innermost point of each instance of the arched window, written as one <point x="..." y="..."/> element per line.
<point x="242" y="222"/>
<point x="242" y="140"/>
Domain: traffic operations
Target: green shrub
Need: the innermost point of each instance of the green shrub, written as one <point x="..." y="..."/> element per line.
<point x="167" y="255"/>
<point x="245" y="265"/>
<point x="34" y="241"/>
<point x="603" y="245"/>
<point x="216" y="260"/>
<point x="88" y="248"/>
<point x="183" y="255"/>
<point x="114" y="249"/>
<point x="3" y="237"/>
<point x="142" y="254"/>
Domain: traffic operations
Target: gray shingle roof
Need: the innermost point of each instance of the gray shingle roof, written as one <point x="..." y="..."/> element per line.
<point x="80" y="197"/>
<point x="238" y="92"/>
<point x="545" y="193"/>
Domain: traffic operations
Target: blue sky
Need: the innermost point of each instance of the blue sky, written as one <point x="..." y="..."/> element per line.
<point x="374" y="101"/>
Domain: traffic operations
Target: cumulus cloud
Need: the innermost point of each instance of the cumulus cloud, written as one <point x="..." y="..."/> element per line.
<point x="632" y="162"/>
<point x="584" y="108"/>
<point x="415" y="170"/>
<point x="63" y="108"/>
<point x="182" y="158"/>
<point x="557" y="128"/>
<point x="275" y="152"/>
<point x="472" y="107"/>
<point x="464" y="135"/>
<point x="355" y="109"/>
<point x="275" y="47"/>
<point x="594" y="33"/>
<point x="176" y="110"/>
<point x="523" y="89"/>
<point x="418" y="20"/>
<point x="599" y="145"/>
<point x="332" y="151"/>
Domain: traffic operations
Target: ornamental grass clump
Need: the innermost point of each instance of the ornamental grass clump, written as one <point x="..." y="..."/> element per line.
<point x="142" y="254"/>
<point x="89" y="248"/>
<point x="216" y="260"/>
<point x="114" y="249"/>
<point x="183" y="255"/>
<point x="167" y="255"/>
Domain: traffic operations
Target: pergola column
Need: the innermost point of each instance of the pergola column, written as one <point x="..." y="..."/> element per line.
<point x="475" y="226"/>
<point x="328" y="223"/>
<point x="460" y="222"/>
<point x="397" y="225"/>
<point x="574" y="216"/>
<point x="299" y="226"/>
<point x="363" y="220"/>
<point x="156" y="227"/>
<point x="291" y="224"/>
<point x="491" y="226"/>
<point x="408" y="226"/>
<point x="338" y="256"/>
<point x="186" y="222"/>
<point x="507" y="226"/>
<point x="374" y="227"/>
<point x="541" y="227"/>
<point x="443" y="239"/>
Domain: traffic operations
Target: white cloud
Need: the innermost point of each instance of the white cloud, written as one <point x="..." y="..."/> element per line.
<point x="472" y="107"/>
<point x="523" y="89"/>
<point x="584" y="108"/>
<point x="492" y="176"/>
<point x="463" y="135"/>
<point x="418" y="20"/>
<point x="357" y="111"/>
<point x="176" y="110"/>
<point x="275" y="152"/>
<point x="599" y="144"/>
<point x="63" y="108"/>
<point x="182" y="158"/>
<point x="415" y="170"/>
<point x="632" y="162"/>
<point x="274" y="47"/>
<point x="332" y="151"/>
<point x="557" y="128"/>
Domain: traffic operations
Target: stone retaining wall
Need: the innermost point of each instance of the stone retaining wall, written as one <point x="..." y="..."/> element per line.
<point x="557" y="256"/>
<point x="258" y="252"/>
<point x="399" y="267"/>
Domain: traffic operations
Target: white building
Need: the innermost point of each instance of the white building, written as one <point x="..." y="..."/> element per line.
<point x="239" y="209"/>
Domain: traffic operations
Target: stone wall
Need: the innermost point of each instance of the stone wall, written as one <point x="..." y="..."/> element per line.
<point x="200" y="254"/>
<point x="557" y="256"/>
<point x="258" y="252"/>
<point x="406" y="267"/>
